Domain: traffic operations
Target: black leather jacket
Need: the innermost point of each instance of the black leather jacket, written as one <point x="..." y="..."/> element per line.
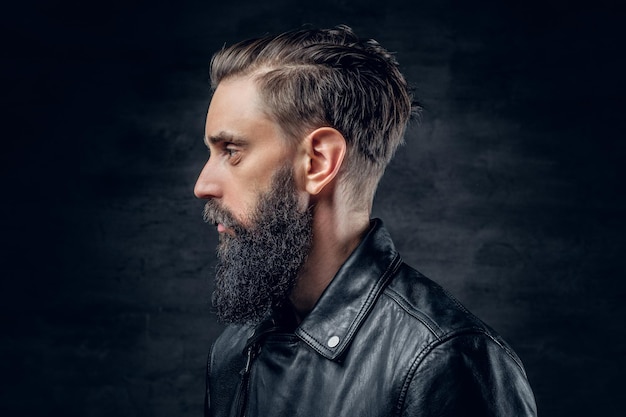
<point x="383" y="340"/>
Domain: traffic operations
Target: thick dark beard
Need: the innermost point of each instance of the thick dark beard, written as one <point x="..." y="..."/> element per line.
<point x="258" y="266"/>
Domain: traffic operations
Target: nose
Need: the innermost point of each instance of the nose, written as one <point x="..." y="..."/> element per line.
<point x="207" y="185"/>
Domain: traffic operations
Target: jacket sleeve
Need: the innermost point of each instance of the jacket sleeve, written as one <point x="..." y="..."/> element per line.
<point x="470" y="374"/>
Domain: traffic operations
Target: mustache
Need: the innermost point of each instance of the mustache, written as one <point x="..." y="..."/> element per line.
<point x="215" y="214"/>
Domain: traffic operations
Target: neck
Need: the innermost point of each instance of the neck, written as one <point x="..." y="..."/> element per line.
<point x="335" y="236"/>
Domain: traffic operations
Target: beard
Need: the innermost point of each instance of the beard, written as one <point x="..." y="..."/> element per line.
<point x="258" y="265"/>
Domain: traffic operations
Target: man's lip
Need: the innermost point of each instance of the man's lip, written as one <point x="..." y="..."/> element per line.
<point x="224" y="229"/>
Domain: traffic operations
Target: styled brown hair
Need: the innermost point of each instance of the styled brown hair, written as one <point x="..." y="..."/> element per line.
<point x="310" y="78"/>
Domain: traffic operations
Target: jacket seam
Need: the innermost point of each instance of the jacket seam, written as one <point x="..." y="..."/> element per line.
<point x="403" y="303"/>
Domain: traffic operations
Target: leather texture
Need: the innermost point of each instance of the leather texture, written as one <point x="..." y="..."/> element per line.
<point x="383" y="340"/>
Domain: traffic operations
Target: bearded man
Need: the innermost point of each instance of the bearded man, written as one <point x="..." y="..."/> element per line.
<point x="325" y="318"/>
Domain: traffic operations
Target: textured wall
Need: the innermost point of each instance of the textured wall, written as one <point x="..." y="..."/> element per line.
<point x="510" y="191"/>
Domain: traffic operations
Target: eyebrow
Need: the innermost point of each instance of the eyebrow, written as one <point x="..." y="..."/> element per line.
<point x="225" y="137"/>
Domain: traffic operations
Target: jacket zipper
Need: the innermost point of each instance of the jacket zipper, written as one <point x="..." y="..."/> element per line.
<point x="252" y="350"/>
<point x="244" y="387"/>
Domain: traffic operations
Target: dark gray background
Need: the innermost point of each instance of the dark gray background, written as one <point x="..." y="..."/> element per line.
<point x="509" y="193"/>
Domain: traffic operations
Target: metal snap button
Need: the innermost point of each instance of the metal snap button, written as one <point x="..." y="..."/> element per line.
<point x="333" y="341"/>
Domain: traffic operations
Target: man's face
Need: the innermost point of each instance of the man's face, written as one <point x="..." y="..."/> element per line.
<point x="253" y="200"/>
<point x="246" y="148"/>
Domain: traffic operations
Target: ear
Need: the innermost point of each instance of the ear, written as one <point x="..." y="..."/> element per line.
<point x="325" y="149"/>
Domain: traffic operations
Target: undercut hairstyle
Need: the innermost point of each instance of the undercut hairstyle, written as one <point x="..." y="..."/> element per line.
<point x="311" y="78"/>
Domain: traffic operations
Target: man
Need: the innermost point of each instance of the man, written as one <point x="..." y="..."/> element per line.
<point x="326" y="319"/>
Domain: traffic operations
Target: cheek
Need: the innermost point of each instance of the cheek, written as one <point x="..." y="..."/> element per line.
<point x="245" y="204"/>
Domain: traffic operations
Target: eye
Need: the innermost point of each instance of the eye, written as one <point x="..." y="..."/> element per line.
<point x="232" y="152"/>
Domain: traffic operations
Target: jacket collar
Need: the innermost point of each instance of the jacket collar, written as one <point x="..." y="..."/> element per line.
<point x="334" y="321"/>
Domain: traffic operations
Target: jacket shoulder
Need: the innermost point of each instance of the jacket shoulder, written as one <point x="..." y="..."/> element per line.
<point x="463" y="366"/>
<point x="429" y="303"/>
<point x="436" y="309"/>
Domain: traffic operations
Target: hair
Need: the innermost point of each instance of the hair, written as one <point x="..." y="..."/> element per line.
<point x="311" y="78"/>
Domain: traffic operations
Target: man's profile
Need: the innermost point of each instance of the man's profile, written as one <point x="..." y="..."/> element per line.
<point x="325" y="317"/>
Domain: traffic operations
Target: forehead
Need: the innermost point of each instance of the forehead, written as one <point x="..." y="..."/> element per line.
<point x="236" y="111"/>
